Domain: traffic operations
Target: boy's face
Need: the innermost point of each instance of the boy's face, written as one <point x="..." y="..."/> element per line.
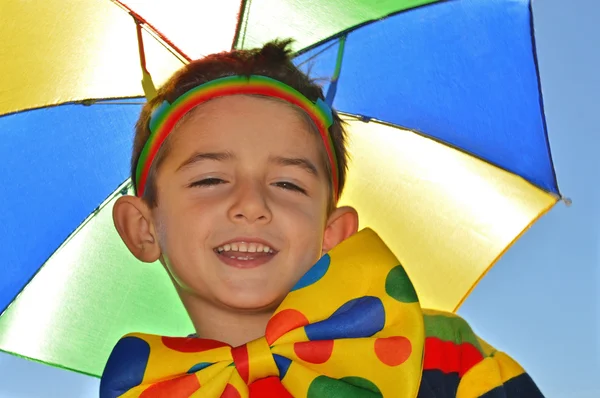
<point x="248" y="172"/>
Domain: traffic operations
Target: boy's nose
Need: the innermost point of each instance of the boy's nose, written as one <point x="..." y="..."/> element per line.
<point x="250" y="204"/>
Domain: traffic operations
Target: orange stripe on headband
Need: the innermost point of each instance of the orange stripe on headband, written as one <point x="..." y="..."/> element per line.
<point x="166" y="116"/>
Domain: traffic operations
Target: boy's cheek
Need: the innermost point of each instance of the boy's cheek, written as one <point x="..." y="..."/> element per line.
<point x="312" y="209"/>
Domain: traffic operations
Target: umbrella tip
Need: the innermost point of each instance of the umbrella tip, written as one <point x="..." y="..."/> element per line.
<point x="567" y="201"/>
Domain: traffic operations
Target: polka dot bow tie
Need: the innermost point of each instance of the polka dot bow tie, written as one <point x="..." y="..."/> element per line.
<point x="351" y="327"/>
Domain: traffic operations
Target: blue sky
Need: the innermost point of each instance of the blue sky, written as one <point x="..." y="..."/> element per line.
<point x="541" y="302"/>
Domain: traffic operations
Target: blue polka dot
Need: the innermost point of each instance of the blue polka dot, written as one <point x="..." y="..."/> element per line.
<point x="315" y="273"/>
<point x="360" y="317"/>
<point x="283" y="364"/>
<point x="199" y="366"/>
<point x="125" y="367"/>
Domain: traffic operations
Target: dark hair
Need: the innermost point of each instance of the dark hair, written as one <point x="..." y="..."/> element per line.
<point x="272" y="60"/>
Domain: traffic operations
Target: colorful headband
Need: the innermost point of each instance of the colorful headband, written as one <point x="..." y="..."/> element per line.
<point x="165" y="117"/>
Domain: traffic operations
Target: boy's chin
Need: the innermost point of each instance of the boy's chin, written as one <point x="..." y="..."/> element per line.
<point x="253" y="302"/>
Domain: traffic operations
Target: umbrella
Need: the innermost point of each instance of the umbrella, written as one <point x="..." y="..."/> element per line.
<point x="450" y="156"/>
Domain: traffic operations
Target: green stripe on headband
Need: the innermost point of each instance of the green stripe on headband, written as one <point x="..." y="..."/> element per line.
<point x="165" y="117"/>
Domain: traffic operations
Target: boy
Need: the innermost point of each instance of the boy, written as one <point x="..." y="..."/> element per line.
<point x="238" y="164"/>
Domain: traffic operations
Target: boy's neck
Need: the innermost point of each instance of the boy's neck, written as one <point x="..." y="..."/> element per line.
<point x="234" y="328"/>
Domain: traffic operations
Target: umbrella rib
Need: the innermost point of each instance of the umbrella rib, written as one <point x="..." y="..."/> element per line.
<point x="243" y="16"/>
<point x="154" y="32"/>
<point x="332" y="90"/>
<point x="315" y="55"/>
<point x="84" y="102"/>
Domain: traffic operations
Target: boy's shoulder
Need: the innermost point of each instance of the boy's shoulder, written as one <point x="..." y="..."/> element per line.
<point x="456" y="358"/>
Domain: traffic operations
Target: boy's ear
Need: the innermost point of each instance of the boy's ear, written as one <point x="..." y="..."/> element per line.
<point x="341" y="224"/>
<point x="133" y="220"/>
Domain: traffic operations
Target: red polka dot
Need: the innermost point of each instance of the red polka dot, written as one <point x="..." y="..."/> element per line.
<point x="393" y="351"/>
<point x="269" y="387"/>
<point x="283" y="322"/>
<point x="191" y="344"/>
<point x="181" y="387"/>
<point x="314" y="351"/>
<point x="230" y="392"/>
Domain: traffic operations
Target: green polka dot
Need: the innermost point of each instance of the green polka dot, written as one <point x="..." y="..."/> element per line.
<point x="399" y="287"/>
<point x="364" y="384"/>
<point x="350" y="387"/>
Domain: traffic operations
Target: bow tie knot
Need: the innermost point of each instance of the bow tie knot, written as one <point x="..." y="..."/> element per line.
<point x="254" y="360"/>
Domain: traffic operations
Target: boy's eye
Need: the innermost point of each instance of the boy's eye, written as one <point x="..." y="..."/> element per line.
<point x="290" y="186"/>
<point x="207" y="182"/>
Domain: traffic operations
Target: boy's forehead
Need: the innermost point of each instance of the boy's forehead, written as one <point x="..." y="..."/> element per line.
<point x="242" y="103"/>
<point x="241" y="115"/>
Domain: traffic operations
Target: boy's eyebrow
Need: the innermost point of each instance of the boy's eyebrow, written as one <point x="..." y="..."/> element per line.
<point x="303" y="163"/>
<point x="200" y="156"/>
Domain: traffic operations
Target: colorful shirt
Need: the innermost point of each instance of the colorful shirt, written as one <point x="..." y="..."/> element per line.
<point x="457" y="363"/>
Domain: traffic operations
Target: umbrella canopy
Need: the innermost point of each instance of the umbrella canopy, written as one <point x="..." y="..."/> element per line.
<point x="450" y="160"/>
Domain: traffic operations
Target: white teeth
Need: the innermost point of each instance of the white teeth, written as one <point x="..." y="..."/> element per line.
<point x="242" y="257"/>
<point x="244" y="247"/>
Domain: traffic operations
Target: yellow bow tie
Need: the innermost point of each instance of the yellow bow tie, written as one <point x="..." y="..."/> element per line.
<point x="351" y="327"/>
